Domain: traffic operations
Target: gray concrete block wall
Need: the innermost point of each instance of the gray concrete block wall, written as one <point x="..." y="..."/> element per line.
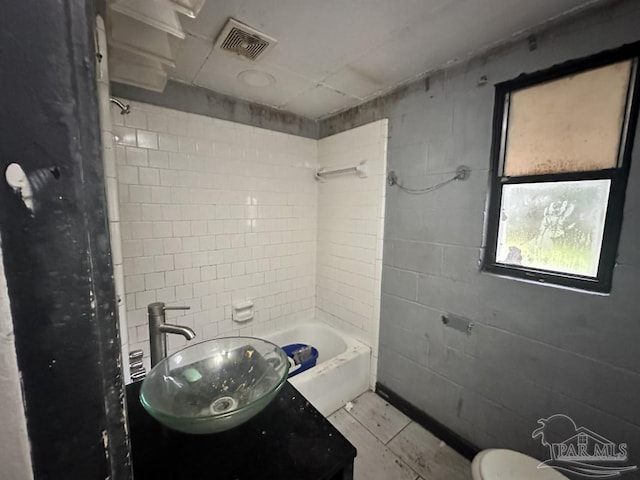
<point x="534" y="350"/>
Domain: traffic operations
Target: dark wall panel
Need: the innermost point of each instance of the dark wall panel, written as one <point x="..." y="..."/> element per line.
<point x="57" y="257"/>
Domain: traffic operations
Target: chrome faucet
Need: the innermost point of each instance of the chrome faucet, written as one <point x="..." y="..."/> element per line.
<point x="158" y="328"/>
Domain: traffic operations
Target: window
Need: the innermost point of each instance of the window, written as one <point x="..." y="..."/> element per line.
<point x="560" y="160"/>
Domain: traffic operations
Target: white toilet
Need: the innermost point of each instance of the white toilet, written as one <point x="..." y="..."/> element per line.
<point x="501" y="464"/>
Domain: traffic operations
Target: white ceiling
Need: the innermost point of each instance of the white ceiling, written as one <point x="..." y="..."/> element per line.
<point x="334" y="54"/>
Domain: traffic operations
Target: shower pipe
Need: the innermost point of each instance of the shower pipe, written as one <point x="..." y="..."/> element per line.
<point x="125" y="109"/>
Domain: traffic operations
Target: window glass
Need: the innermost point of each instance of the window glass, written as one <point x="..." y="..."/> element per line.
<point x="571" y="124"/>
<point x="556" y="226"/>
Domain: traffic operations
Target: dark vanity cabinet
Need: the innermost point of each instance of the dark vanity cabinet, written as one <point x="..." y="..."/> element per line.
<point x="289" y="439"/>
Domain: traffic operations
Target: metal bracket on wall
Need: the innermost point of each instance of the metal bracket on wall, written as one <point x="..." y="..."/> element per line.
<point x="456" y="322"/>
<point x="462" y="173"/>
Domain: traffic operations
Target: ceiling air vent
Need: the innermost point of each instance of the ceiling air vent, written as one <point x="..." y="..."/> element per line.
<point x="243" y="40"/>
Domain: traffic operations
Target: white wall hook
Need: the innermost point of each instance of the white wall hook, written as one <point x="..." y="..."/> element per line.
<point x="27" y="185"/>
<point x="17" y="179"/>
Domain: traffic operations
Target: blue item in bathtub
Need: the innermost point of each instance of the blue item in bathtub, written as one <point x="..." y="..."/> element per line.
<point x="301" y="356"/>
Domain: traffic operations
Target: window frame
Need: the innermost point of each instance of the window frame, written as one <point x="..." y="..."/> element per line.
<point x="618" y="175"/>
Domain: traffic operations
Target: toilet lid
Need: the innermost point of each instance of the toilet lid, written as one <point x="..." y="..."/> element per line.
<point x="500" y="464"/>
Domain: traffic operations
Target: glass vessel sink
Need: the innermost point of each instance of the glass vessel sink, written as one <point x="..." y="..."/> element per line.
<point x="214" y="385"/>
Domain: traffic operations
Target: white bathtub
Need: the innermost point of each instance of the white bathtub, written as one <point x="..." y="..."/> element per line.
<point x="342" y="370"/>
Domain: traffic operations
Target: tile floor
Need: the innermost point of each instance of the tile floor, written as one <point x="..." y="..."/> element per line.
<point x="392" y="447"/>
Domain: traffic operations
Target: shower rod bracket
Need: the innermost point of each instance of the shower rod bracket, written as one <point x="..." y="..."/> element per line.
<point x="392" y="178"/>
<point x="462" y="172"/>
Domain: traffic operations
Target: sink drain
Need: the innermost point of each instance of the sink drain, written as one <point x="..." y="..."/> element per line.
<point x="223" y="404"/>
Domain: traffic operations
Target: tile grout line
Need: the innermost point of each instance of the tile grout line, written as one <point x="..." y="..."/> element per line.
<point x="369" y="430"/>
<point x="418" y="477"/>
<point x="398" y="459"/>
<point x="401" y="430"/>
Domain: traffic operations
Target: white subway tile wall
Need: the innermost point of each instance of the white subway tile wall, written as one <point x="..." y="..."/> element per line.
<point x="350" y="234"/>
<point x="213" y="213"/>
